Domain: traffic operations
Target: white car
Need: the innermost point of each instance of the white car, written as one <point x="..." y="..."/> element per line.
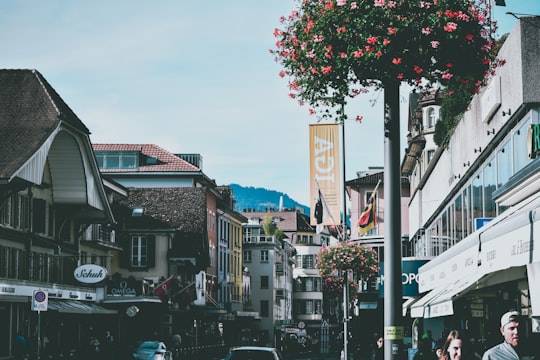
<point x="253" y="353"/>
<point x="152" y="350"/>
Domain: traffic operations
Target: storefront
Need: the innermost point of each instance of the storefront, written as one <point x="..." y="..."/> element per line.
<point x="493" y="270"/>
<point x="62" y="323"/>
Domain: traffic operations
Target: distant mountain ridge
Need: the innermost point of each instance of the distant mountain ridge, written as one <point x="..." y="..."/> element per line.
<point x="261" y="199"/>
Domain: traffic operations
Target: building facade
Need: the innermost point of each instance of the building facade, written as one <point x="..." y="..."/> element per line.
<point x="474" y="202"/>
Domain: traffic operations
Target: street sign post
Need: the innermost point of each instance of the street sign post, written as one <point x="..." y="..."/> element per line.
<point x="40" y="300"/>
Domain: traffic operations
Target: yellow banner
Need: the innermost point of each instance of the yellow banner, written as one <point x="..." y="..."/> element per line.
<point x="324" y="170"/>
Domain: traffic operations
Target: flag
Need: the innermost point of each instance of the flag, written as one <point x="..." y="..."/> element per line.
<point x="322" y="212"/>
<point x="162" y="290"/>
<point x="368" y="219"/>
<point x="186" y="296"/>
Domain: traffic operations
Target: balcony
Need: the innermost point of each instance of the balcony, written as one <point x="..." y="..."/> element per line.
<point x="279" y="269"/>
<point x="258" y="239"/>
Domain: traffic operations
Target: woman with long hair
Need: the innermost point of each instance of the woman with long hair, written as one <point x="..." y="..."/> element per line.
<point x="453" y="346"/>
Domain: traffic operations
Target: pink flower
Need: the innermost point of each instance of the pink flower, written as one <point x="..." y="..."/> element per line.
<point x="379" y="3"/>
<point x="447" y="76"/>
<point x="426" y="31"/>
<point x="450" y="27"/>
<point x="318" y="38"/>
<point x="392" y="4"/>
<point x="341" y="29"/>
<point x="469" y="37"/>
<point x="342" y="55"/>
<point x="418" y="69"/>
<point x="434" y="44"/>
<point x="372" y="40"/>
<point x="326" y="70"/>
<point x="354" y="5"/>
<point x="396" y="61"/>
<point x="358" y="53"/>
<point x="341" y="2"/>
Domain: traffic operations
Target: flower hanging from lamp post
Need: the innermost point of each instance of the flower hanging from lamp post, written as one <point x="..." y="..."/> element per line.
<point x="332" y="50"/>
<point x="347" y="256"/>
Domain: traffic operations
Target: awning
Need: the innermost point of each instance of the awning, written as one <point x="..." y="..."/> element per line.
<point x="533" y="274"/>
<point x="439" y="301"/>
<point x="131" y="299"/>
<point x="78" y="307"/>
<point x="408" y="303"/>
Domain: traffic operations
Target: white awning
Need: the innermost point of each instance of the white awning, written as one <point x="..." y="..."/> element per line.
<point x="78" y="307"/>
<point x="533" y="274"/>
<point x="408" y="303"/>
<point x="439" y="301"/>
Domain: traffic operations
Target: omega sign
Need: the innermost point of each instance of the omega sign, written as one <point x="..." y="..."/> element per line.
<point x="90" y="273"/>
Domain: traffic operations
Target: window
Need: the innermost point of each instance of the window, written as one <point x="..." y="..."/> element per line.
<point x="521" y="158"/>
<point x="265" y="309"/>
<point x="430" y="155"/>
<point x="139" y="251"/>
<point x="117" y="159"/>
<point x="264" y="255"/>
<point x="490" y="186"/>
<point x="264" y="282"/>
<point x="431" y="117"/>
<point x="247" y="256"/>
<point x="308" y="262"/>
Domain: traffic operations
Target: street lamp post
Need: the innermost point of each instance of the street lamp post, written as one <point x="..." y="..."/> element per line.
<point x="393" y="319"/>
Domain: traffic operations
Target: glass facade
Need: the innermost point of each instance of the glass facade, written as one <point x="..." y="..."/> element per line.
<point x="475" y="199"/>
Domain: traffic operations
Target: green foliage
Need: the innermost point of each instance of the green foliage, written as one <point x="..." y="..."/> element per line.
<point x="332" y="50"/>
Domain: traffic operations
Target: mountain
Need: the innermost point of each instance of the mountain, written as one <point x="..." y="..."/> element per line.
<point x="260" y="199"/>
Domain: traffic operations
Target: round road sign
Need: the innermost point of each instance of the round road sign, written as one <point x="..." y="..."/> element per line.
<point x="40" y="296"/>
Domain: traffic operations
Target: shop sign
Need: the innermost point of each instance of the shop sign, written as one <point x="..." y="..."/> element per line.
<point x="533" y="140"/>
<point x="122" y="288"/>
<point x="90" y="273"/>
<point x="409" y="277"/>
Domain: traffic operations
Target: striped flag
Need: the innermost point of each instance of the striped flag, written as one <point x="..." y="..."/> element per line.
<point x="162" y="290"/>
<point x="322" y="212"/>
<point x="368" y="219"/>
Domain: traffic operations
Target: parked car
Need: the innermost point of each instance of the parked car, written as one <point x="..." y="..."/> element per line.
<point x="152" y="350"/>
<point x="253" y="353"/>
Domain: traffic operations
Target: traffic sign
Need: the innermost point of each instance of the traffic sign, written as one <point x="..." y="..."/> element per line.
<point x="40" y="300"/>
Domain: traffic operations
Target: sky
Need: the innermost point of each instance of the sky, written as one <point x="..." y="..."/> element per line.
<point x="192" y="77"/>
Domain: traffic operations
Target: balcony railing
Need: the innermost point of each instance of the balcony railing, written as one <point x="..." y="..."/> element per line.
<point x="258" y="239"/>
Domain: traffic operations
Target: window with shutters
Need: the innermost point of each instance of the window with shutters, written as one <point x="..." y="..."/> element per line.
<point x="139" y="251"/>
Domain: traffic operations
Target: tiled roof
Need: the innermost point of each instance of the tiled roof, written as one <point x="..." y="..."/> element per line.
<point x="289" y="221"/>
<point x="168" y="162"/>
<point x="182" y="209"/>
<point x="30" y="110"/>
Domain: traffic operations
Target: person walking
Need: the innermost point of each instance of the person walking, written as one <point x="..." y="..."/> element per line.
<point x="424" y="350"/>
<point x="510" y="348"/>
<point x="453" y="346"/>
<point x="19" y="347"/>
<point x="378" y="351"/>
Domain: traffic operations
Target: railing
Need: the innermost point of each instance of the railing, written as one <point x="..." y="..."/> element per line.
<point x="200" y="352"/>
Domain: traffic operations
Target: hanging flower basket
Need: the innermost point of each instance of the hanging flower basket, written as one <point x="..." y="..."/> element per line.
<point x="333" y="287"/>
<point x="332" y="50"/>
<point x="347" y="256"/>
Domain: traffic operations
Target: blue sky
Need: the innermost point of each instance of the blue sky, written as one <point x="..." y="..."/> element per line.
<point x="191" y="77"/>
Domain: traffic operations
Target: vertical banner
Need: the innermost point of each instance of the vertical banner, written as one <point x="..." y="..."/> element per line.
<point x="324" y="171"/>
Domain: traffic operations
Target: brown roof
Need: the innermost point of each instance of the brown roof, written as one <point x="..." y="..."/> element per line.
<point x="167" y="162"/>
<point x="182" y="208"/>
<point x="30" y="110"/>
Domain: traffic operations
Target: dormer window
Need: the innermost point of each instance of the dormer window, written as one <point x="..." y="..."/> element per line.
<point x="117" y="159"/>
<point x="431" y="117"/>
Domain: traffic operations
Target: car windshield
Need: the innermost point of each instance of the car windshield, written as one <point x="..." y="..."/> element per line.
<point x="148" y="346"/>
<point x="251" y="355"/>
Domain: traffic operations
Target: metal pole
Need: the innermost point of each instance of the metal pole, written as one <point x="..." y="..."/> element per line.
<point x="345" y="313"/>
<point x="344" y="227"/>
<point x="344" y="220"/>
<point x="393" y="322"/>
